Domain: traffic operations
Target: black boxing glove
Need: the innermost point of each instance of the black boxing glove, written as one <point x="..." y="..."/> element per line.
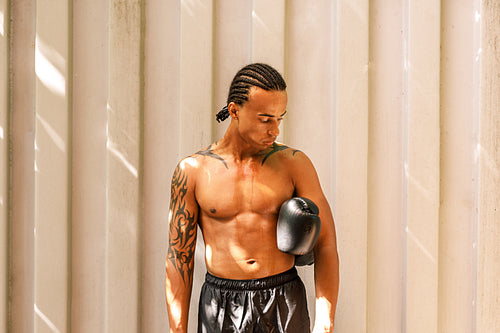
<point x="305" y="259"/>
<point x="298" y="229"/>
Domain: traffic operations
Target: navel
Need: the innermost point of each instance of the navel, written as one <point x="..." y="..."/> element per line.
<point x="213" y="210"/>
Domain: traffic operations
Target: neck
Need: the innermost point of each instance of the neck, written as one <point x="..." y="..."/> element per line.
<point x="233" y="144"/>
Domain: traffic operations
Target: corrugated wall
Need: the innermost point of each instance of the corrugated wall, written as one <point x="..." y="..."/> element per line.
<point x="396" y="102"/>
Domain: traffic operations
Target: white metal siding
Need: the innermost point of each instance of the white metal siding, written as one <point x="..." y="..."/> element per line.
<point x="396" y="102"/>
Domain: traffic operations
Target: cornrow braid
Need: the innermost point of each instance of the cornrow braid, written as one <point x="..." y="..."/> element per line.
<point x="253" y="75"/>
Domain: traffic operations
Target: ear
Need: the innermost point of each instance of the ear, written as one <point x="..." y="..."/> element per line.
<point x="234" y="110"/>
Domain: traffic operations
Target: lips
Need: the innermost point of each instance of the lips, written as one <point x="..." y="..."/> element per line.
<point x="268" y="140"/>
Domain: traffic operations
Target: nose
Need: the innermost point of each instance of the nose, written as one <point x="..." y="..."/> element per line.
<point x="274" y="130"/>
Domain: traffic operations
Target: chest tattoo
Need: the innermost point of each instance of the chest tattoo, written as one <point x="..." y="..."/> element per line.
<point x="210" y="153"/>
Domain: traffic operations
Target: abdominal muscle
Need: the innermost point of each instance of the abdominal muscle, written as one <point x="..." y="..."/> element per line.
<point x="243" y="247"/>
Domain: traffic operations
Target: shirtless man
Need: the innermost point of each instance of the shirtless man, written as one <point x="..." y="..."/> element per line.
<point x="233" y="190"/>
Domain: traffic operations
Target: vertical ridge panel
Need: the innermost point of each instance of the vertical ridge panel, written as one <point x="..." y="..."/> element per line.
<point x="385" y="202"/>
<point x="89" y="165"/>
<point x="53" y="147"/>
<point x="124" y="172"/>
<point x="4" y="162"/>
<point x="422" y="164"/>
<point x="161" y="154"/>
<point x="351" y="161"/>
<point x="457" y="183"/>
<point x="22" y="172"/>
<point x="196" y="75"/>
<point x="488" y="288"/>
<point x="268" y="33"/>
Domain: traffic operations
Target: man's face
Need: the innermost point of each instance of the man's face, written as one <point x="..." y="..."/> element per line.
<point x="259" y="118"/>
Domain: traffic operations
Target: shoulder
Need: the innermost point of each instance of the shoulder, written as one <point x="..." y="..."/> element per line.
<point x="296" y="163"/>
<point x="191" y="164"/>
<point x="186" y="170"/>
<point x="188" y="164"/>
<point x="284" y="154"/>
<point x="278" y="152"/>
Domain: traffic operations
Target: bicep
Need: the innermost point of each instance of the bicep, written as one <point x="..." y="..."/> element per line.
<point x="306" y="181"/>
<point x="307" y="185"/>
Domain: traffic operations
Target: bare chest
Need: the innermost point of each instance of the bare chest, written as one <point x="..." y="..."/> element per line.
<point x="224" y="193"/>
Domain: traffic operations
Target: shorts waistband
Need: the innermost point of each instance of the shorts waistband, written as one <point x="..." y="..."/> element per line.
<point x="253" y="284"/>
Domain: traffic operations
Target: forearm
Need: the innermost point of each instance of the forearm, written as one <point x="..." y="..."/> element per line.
<point x="178" y="296"/>
<point x="326" y="276"/>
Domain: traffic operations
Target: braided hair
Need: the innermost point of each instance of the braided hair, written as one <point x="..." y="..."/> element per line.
<point x="253" y="75"/>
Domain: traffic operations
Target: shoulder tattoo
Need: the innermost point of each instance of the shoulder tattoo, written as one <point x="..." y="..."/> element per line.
<point x="276" y="148"/>
<point x="210" y="153"/>
<point x="182" y="228"/>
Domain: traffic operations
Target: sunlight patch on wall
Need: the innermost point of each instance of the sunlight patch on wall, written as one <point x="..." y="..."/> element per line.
<point x="259" y="21"/>
<point x="2" y="22"/>
<point x="190" y="6"/>
<point x="56" y="138"/>
<point x="426" y="193"/>
<point x="46" y="70"/>
<point x="421" y="246"/>
<point x="481" y="155"/>
<point x="120" y="156"/>
<point x="46" y="320"/>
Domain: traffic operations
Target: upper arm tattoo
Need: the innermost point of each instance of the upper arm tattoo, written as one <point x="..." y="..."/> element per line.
<point x="182" y="228"/>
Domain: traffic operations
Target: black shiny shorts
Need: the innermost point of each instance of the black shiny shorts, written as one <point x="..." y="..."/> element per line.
<point x="273" y="304"/>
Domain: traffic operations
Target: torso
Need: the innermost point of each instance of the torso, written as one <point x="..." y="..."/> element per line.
<point x="239" y="203"/>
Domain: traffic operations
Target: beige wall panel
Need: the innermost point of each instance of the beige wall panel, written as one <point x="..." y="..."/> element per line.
<point x="22" y="184"/>
<point x="124" y="167"/>
<point x="4" y="162"/>
<point x="349" y="182"/>
<point x="385" y="227"/>
<point x="268" y="33"/>
<point x="196" y="75"/>
<point x="117" y="91"/>
<point x="488" y="285"/>
<point x="89" y="166"/>
<point x="457" y="192"/>
<point x="310" y="82"/>
<point x="309" y="74"/>
<point x="161" y="151"/>
<point x="53" y="148"/>
<point x="232" y="50"/>
<point x="421" y="109"/>
<point x="268" y="36"/>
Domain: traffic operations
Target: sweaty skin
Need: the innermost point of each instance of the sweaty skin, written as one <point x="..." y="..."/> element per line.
<point x="233" y="189"/>
<point x="239" y="221"/>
